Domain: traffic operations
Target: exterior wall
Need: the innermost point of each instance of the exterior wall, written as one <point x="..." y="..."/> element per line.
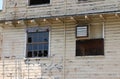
<point x="62" y="62"/>
<point x="1" y="40"/>
<point x="14" y="9"/>
<point x="95" y="67"/>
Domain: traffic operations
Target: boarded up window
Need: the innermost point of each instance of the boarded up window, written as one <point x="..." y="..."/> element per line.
<point x="90" y="44"/>
<point x="39" y="2"/>
<point x="37" y="42"/>
<point x="90" y="47"/>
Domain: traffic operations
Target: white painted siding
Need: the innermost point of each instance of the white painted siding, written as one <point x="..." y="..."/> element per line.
<point x="62" y="62"/>
<point x="14" y="9"/>
<point x="14" y="42"/>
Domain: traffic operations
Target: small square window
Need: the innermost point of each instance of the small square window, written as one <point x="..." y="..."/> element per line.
<point x="82" y="31"/>
<point x="38" y="2"/>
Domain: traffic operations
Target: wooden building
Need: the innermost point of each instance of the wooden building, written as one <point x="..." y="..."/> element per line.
<point x="60" y="39"/>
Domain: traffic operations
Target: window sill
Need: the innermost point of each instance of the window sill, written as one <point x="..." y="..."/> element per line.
<point x="87" y="2"/>
<point x="97" y="56"/>
<point x="37" y="58"/>
<point x="37" y="6"/>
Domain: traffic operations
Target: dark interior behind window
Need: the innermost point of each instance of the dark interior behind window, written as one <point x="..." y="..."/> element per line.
<point x="38" y="2"/>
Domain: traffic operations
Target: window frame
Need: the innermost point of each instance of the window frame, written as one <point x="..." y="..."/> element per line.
<point x="39" y="4"/>
<point x="26" y="52"/>
<point x="88" y="38"/>
<point x="87" y="31"/>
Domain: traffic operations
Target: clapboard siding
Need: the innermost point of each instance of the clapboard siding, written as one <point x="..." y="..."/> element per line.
<point x="14" y="42"/>
<point x="62" y="61"/>
<point x="95" y="67"/>
<point x="13" y="9"/>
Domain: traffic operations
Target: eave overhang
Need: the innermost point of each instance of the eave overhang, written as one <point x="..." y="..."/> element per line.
<point x="76" y="19"/>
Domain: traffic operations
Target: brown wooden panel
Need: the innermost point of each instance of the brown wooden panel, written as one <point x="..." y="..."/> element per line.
<point x="90" y="47"/>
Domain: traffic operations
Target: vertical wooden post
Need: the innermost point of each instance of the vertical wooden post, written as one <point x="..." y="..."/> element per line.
<point x="3" y="67"/>
<point x="64" y="57"/>
<point x="103" y="27"/>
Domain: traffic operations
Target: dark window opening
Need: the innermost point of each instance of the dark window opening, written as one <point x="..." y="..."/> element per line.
<point x="40" y="54"/>
<point x="29" y="40"/>
<point x="37" y="44"/>
<point x="45" y="53"/>
<point x="29" y="54"/>
<point x="90" y="47"/>
<point x="35" y="54"/>
<point x="38" y="2"/>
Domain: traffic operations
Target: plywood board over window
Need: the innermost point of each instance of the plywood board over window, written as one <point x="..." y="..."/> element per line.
<point x="93" y="45"/>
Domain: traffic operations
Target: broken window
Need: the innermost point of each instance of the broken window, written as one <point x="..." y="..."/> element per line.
<point x="37" y="42"/>
<point x="39" y="2"/>
<point x="93" y="44"/>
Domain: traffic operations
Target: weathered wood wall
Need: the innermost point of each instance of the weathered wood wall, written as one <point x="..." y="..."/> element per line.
<point x="14" y="9"/>
<point x="62" y="62"/>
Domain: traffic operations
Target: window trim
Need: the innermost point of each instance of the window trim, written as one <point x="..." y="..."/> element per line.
<point x="49" y="49"/>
